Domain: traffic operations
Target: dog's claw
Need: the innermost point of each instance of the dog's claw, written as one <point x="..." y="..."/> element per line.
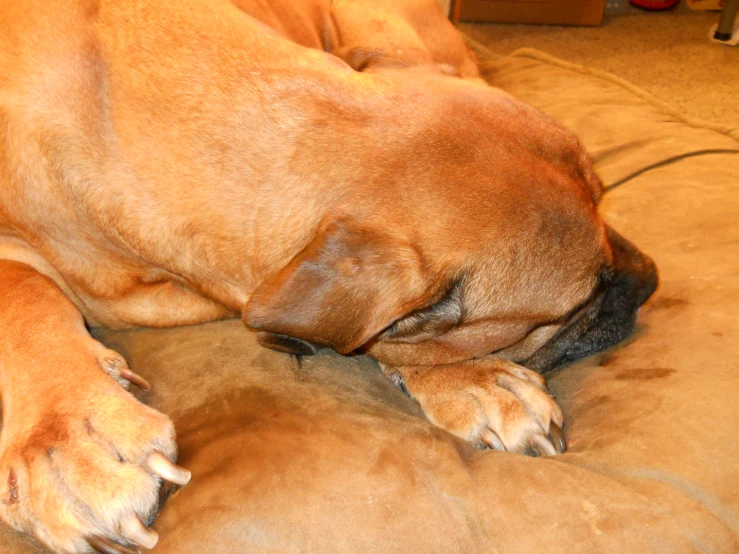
<point x="161" y="466"/>
<point x="555" y="432"/>
<point x="491" y="439"/>
<point x="544" y="446"/>
<point x="107" y="546"/>
<point x="134" y="378"/>
<point x="138" y="532"/>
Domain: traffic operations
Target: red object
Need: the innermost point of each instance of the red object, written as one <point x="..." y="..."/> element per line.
<point x="654" y="4"/>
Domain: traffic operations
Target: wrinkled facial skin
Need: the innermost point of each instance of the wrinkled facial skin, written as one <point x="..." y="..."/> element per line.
<point x="609" y="317"/>
<point x="606" y="317"/>
<point x="540" y="308"/>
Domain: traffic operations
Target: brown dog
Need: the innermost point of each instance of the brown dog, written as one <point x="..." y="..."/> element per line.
<point x="319" y="168"/>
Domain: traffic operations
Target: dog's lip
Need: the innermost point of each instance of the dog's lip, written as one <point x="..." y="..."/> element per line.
<point x="603" y="282"/>
<point x="520" y="350"/>
<point x="567" y="322"/>
<point x="610" y="314"/>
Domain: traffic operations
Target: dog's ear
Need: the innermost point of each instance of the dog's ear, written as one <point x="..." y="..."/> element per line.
<point x="344" y="288"/>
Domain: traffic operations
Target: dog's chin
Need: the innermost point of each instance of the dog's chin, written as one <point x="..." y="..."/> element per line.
<point x="537" y="339"/>
<point x="427" y="353"/>
<point x="571" y="341"/>
<point x="587" y="334"/>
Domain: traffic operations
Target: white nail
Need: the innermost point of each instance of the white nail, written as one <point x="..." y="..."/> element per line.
<point x="138" y="532"/>
<point x="544" y="446"/>
<point x="160" y="465"/>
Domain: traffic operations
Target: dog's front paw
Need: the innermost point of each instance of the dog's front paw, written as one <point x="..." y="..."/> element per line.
<point x="87" y="473"/>
<point x="490" y="402"/>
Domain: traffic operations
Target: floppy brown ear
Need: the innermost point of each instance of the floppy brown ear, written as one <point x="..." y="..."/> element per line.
<point x="345" y="287"/>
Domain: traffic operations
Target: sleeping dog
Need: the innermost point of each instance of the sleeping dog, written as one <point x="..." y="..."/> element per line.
<point x="333" y="172"/>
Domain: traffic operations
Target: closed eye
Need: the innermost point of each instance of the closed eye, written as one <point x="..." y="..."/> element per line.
<point x="429" y="322"/>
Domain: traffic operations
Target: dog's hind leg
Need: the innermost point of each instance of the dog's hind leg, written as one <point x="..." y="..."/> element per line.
<point x="81" y="460"/>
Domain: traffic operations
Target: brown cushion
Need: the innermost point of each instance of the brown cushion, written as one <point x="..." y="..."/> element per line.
<point x="326" y="455"/>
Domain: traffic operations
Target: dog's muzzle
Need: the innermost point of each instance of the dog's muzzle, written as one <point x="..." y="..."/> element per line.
<point x="610" y="316"/>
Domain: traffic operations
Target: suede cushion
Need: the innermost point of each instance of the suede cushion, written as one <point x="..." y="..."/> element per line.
<point x="327" y="455"/>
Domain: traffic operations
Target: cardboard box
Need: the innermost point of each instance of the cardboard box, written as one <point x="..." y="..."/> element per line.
<point x="553" y="12"/>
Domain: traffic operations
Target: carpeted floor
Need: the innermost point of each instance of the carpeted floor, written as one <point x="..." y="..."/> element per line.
<point x="667" y="54"/>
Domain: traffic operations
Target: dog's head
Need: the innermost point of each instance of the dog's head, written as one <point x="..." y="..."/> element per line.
<point x="481" y="237"/>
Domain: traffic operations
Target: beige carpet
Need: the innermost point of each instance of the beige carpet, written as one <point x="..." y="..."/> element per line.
<point x="667" y="54"/>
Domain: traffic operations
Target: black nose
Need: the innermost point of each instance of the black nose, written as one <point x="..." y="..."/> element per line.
<point x="610" y="317"/>
<point x="635" y="272"/>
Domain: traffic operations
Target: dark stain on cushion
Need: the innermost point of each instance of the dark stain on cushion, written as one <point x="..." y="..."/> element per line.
<point x="644" y="374"/>
<point x="666" y="303"/>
